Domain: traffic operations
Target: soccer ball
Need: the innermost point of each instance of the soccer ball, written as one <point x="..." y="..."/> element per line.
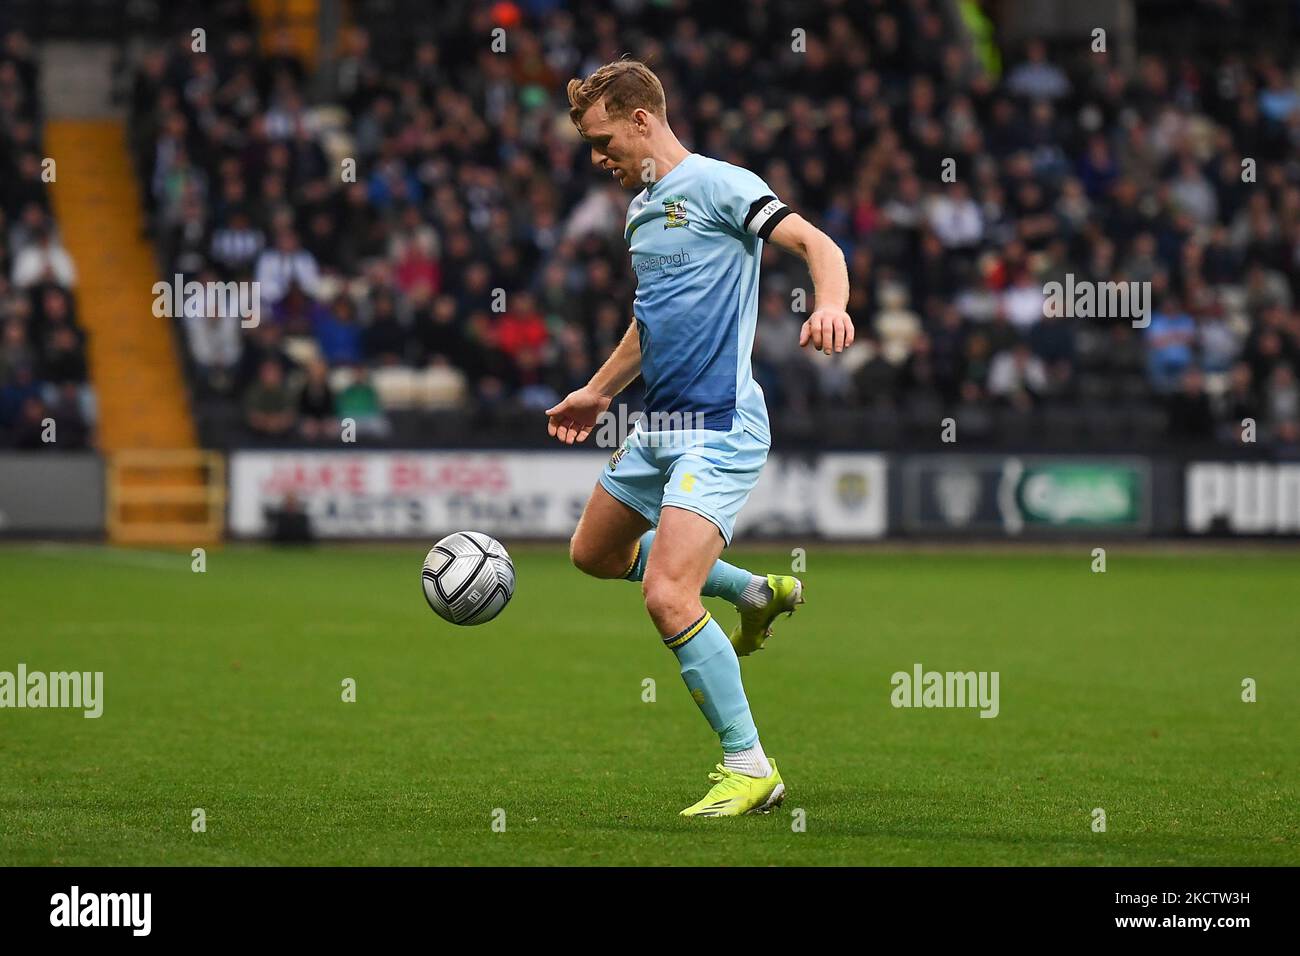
<point x="468" y="578"/>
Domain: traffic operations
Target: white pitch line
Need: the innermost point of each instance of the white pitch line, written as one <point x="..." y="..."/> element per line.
<point x="162" y="560"/>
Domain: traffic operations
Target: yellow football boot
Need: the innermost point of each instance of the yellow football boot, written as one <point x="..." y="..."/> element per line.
<point x="734" y="794"/>
<point x="755" y="625"/>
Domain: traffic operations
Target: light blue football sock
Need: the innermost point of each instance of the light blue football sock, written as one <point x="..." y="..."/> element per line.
<point x="711" y="671"/>
<point x="636" y="570"/>
<point x="724" y="580"/>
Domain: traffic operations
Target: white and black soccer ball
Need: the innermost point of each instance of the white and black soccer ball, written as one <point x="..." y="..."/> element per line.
<point x="468" y="578"/>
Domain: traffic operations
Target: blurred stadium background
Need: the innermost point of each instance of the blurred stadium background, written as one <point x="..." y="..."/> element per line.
<point x="473" y="270"/>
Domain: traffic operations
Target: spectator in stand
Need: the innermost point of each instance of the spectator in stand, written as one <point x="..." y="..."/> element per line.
<point x="337" y="332"/>
<point x="21" y="387"/>
<point x="43" y="362"/>
<point x="1018" y="377"/>
<point x="1023" y="302"/>
<point x="215" y="346"/>
<point x="1052" y="340"/>
<point x="413" y="250"/>
<point x="27" y="186"/>
<point x="897" y="327"/>
<point x="439" y="333"/>
<point x="1217" y="343"/>
<point x="74" y="429"/>
<point x="1283" y="395"/>
<point x="237" y="245"/>
<point x="284" y="265"/>
<point x="63" y="359"/>
<point x="270" y="409"/>
<point x="521" y="329"/>
<point x="262" y="344"/>
<point x="956" y="218"/>
<point x="316" y="412"/>
<point x="1240" y="401"/>
<point x="359" y="404"/>
<point x="32" y="426"/>
<point x="385" y="340"/>
<point x="947" y="344"/>
<point x="1169" y="337"/>
<point x="43" y="260"/>
<point x="1190" y="416"/>
<point x="1037" y="78"/>
<point x="15" y="350"/>
<point x="299" y="315"/>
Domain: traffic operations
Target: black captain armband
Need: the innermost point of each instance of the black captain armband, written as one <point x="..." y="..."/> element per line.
<point x="764" y="214"/>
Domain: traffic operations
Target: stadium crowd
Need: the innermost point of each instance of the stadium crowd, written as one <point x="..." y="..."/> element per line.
<point x="45" y="398"/>
<point x="476" y="261"/>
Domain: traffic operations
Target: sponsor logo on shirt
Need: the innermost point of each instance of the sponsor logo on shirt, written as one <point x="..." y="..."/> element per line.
<point x="660" y="264"/>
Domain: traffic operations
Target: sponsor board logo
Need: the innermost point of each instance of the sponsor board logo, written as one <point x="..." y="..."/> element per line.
<point x="1243" y="498"/>
<point x="1014" y="495"/>
<point x="852" y="488"/>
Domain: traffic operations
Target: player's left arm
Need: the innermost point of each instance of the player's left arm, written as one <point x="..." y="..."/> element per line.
<point x="829" y="328"/>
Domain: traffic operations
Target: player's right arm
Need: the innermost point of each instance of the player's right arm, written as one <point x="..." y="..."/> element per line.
<point x="574" y="418"/>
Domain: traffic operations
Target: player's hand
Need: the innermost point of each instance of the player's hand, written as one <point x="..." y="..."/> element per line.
<point x="828" y="330"/>
<point x="574" y="418"/>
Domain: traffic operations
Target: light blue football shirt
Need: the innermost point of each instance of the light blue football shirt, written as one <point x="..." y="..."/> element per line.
<point x="696" y="238"/>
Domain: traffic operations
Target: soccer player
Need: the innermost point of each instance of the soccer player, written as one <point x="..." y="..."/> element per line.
<point x="696" y="232"/>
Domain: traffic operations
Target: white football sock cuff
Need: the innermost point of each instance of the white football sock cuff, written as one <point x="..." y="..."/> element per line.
<point x="756" y="593"/>
<point x="751" y="762"/>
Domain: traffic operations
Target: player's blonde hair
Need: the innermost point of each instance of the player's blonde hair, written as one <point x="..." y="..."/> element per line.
<point x="625" y="85"/>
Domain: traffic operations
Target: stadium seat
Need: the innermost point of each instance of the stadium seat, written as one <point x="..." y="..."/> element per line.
<point x="439" y="388"/>
<point x="395" y="386"/>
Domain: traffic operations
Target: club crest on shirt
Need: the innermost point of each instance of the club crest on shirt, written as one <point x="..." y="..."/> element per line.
<point x="675" y="210"/>
<point x="615" y="458"/>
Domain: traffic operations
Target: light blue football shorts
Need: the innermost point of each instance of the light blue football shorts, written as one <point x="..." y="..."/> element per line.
<point x="707" y="471"/>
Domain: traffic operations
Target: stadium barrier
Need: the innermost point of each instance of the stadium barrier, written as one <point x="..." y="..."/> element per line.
<point x="835" y="496"/>
<point x="166" y="496"/>
<point x="524" y="494"/>
<point x="51" y="494"/>
<point x="832" y="496"/>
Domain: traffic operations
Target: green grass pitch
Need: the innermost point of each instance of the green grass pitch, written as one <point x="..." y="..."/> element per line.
<point x="223" y="692"/>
